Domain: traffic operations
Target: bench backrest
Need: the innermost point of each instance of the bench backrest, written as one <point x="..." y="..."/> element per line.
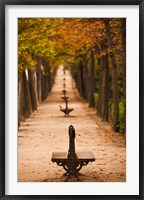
<point x="71" y="151"/>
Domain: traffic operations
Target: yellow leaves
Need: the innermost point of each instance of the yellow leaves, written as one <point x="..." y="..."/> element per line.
<point x="25" y="61"/>
<point x="52" y="38"/>
<point x="39" y="19"/>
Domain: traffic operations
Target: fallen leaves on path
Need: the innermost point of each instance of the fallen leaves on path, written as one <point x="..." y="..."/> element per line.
<point x="47" y="131"/>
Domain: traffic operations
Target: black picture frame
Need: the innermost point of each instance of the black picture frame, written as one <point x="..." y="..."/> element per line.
<point x="3" y="3"/>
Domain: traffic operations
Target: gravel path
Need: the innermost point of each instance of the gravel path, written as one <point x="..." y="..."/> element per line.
<point x="46" y="131"/>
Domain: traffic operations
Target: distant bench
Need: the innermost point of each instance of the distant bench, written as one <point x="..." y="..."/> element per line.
<point x="72" y="162"/>
<point x="66" y="110"/>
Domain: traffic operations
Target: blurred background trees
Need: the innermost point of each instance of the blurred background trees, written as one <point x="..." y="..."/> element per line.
<point x="94" y="50"/>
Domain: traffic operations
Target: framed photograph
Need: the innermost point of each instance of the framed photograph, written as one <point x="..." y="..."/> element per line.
<point x="71" y="99"/>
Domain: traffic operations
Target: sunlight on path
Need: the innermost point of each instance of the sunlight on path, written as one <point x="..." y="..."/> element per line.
<point x="47" y="131"/>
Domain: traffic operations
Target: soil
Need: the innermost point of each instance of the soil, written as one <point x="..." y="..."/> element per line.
<point x="46" y="131"/>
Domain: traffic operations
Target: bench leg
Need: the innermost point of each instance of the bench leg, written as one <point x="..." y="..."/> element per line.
<point x="77" y="178"/>
<point x="67" y="178"/>
<point x="71" y="176"/>
<point x="72" y="168"/>
<point x="65" y="174"/>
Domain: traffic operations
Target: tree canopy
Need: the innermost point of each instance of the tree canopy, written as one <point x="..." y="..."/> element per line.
<point x="61" y="39"/>
<point x="94" y="49"/>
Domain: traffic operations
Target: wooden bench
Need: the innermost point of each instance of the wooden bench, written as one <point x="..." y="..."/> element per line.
<point x="64" y="92"/>
<point x="72" y="162"/>
<point x="65" y="98"/>
<point x="66" y="110"/>
<point x="64" y="85"/>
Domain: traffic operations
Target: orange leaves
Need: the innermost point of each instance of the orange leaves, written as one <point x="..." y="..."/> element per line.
<point x="55" y="37"/>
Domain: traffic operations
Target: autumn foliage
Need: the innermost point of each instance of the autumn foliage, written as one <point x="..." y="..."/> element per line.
<point x="94" y="49"/>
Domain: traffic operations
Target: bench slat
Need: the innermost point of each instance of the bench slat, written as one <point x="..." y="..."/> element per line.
<point x="80" y="156"/>
<point x="59" y="155"/>
<point x="88" y="155"/>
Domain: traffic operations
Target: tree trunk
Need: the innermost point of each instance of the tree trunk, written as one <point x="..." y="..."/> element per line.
<point x="114" y="77"/>
<point x="81" y="83"/>
<point x="103" y="87"/>
<point x="123" y="21"/>
<point x="32" y="89"/>
<point x="38" y="75"/>
<point x="103" y="92"/>
<point x="85" y="77"/>
<point x="20" y="104"/>
<point x="92" y="80"/>
<point x="43" y="87"/>
<point x="99" y="109"/>
<point x="26" y="102"/>
<point x="104" y="66"/>
<point x="46" y="78"/>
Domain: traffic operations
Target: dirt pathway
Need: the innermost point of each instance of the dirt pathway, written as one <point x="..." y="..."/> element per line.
<point x="47" y="131"/>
